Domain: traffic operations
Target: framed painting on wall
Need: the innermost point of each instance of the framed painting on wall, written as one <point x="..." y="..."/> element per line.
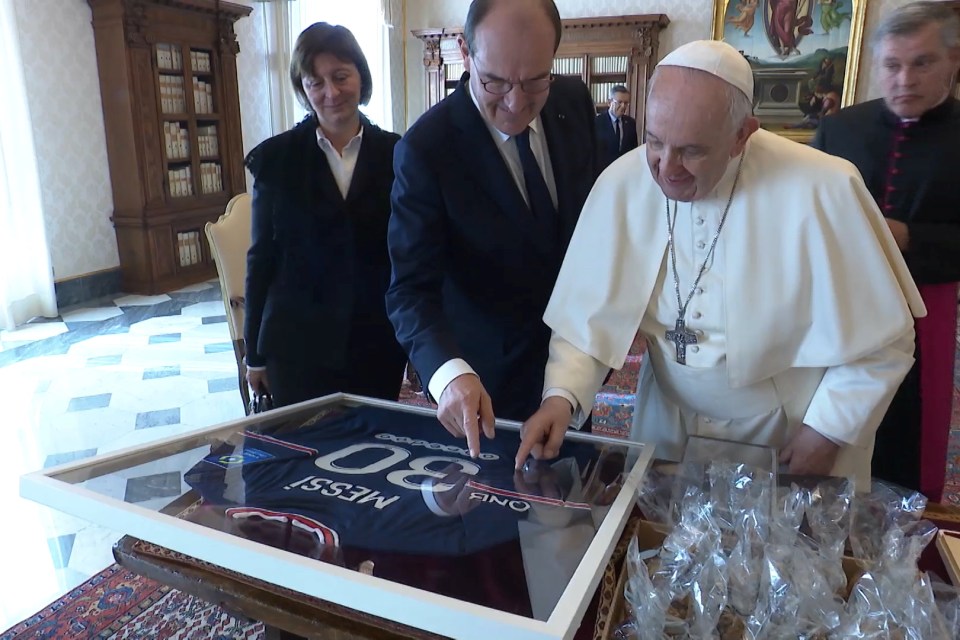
<point x="804" y="53"/>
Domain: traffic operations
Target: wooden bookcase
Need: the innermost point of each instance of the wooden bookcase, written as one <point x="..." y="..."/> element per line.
<point x="600" y="51"/>
<point x="168" y="82"/>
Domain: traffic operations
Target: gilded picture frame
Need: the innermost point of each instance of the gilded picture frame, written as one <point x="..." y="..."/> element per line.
<point x="805" y="56"/>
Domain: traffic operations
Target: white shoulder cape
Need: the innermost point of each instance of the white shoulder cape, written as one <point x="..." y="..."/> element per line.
<point x="813" y="276"/>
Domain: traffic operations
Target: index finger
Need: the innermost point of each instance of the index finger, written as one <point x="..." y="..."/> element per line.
<point x="472" y="430"/>
<point x="554" y="440"/>
<point x="487" y="420"/>
<point x="528" y="441"/>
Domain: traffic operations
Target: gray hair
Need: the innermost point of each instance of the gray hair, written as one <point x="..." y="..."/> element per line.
<point x="617" y="88"/>
<point x="739" y="105"/>
<point x="913" y="17"/>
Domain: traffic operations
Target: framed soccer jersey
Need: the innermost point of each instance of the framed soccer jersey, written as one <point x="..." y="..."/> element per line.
<point x="374" y="506"/>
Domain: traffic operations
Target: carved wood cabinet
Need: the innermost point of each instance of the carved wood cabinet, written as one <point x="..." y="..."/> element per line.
<point x="168" y="82"/>
<point x="602" y="52"/>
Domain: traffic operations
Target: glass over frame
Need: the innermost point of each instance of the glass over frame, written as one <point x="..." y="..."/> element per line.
<point x="374" y="506"/>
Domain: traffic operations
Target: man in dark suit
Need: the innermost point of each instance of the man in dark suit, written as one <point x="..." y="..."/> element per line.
<point x="616" y="131"/>
<point x="489" y="185"/>
<point x="907" y="147"/>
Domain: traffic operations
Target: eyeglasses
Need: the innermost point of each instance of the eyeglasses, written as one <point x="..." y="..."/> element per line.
<point x="503" y="87"/>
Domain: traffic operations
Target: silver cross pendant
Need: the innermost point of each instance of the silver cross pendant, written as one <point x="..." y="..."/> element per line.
<point x="680" y="336"/>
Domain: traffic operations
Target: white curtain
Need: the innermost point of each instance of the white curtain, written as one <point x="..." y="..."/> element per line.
<point x="389" y="20"/>
<point x="26" y="278"/>
<point x="395" y="62"/>
<point x="279" y="20"/>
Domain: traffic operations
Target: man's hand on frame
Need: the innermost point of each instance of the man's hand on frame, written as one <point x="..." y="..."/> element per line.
<point x="464" y="408"/>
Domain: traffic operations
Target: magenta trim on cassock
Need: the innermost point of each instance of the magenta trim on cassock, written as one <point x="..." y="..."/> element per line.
<point x="937" y="343"/>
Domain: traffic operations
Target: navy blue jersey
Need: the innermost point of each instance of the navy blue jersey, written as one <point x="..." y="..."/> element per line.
<point x="389" y="481"/>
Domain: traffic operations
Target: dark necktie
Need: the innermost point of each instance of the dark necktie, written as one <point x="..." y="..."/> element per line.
<point x="541" y="204"/>
<point x="616" y="127"/>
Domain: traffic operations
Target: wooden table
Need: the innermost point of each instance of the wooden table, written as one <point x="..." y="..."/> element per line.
<point x="288" y="614"/>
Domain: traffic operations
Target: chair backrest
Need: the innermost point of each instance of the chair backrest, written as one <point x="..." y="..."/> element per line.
<point x="229" y="239"/>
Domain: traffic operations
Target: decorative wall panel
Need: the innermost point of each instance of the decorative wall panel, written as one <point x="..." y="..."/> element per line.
<point x="63" y="91"/>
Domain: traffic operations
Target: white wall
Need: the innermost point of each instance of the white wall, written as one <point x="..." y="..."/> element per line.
<point x="63" y="93"/>
<point x="689" y="20"/>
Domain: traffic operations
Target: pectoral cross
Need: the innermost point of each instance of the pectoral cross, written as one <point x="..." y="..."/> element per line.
<point x="680" y="336"/>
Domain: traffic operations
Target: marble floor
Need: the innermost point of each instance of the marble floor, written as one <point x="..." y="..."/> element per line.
<point x="108" y="375"/>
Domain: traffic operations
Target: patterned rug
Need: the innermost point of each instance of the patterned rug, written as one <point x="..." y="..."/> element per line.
<point x="117" y="604"/>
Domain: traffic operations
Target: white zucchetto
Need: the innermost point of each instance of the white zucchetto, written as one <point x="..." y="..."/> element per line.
<point x="716" y="58"/>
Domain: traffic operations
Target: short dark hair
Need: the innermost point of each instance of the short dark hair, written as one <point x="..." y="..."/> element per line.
<point x="618" y="88"/>
<point x="480" y="8"/>
<point x="338" y="41"/>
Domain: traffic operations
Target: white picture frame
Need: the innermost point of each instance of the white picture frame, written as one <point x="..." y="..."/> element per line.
<point x="60" y="488"/>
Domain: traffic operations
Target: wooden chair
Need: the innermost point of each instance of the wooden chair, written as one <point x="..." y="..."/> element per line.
<point x="229" y="239"/>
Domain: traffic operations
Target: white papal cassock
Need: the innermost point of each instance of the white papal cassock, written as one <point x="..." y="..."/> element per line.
<point x="804" y="316"/>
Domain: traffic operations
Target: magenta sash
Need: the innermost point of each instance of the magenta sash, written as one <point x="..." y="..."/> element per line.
<point x="937" y="343"/>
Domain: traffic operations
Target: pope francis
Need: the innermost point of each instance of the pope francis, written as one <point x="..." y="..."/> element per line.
<point x="776" y="307"/>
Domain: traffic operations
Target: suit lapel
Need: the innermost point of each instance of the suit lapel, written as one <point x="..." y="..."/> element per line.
<point x="479" y="149"/>
<point x="364" y="171"/>
<point x="562" y="154"/>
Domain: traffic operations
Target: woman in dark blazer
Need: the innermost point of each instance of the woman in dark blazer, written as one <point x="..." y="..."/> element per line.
<point x="318" y="268"/>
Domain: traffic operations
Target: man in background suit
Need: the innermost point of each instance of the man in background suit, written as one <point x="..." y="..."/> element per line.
<point x="616" y="131"/>
<point x="489" y="186"/>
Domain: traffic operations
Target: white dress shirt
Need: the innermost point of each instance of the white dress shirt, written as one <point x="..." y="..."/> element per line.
<point x="342" y="165"/>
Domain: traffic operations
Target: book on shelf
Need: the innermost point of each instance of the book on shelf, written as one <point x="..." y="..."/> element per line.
<point x="207" y="139"/>
<point x="181" y="182"/>
<point x="601" y="91"/>
<point x="194" y="247"/>
<point x="211" y="180"/>
<point x="171" y="94"/>
<point x="202" y="96"/>
<point x="200" y="61"/>
<point x="176" y="140"/>
<point x="610" y="64"/>
<point x="568" y="66"/>
<point x="188" y="248"/>
<point x="168" y="57"/>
